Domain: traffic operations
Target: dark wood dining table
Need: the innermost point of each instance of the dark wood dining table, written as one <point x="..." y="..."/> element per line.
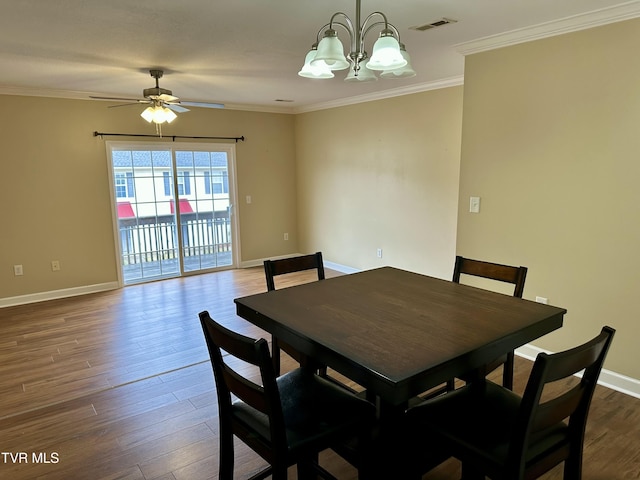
<point x="395" y="332"/>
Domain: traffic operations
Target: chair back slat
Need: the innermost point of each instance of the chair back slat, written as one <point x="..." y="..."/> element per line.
<point x="249" y="392"/>
<point x="273" y="268"/>
<point x="491" y="271"/>
<point x="557" y="409"/>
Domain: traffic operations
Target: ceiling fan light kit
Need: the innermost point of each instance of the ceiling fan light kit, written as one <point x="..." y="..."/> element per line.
<point x="389" y="56"/>
<point x="158" y="114"/>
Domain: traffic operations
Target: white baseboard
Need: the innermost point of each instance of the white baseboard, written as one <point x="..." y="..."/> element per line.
<point x="340" y="268"/>
<point x="609" y="379"/>
<point x="55" y="294"/>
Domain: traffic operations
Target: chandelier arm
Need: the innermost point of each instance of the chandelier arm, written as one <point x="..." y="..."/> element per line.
<point x="387" y="25"/>
<point x="321" y="32"/>
<point x="348" y="26"/>
<point x="371" y="15"/>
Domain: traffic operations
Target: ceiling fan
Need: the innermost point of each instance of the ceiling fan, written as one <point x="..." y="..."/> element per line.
<point x="160" y="99"/>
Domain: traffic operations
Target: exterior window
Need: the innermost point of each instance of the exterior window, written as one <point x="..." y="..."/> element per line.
<point x="124" y="185"/>
<point x="219" y="182"/>
<point x="184" y="183"/>
<point x="167" y="183"/>
<point x="207" y="182"/>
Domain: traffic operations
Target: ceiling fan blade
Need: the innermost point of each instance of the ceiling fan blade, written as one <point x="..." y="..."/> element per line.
<point x="118" y="99"/>
<point x="176" y="108"/>
<point x="168" y="98"/>
<point x="203" y="104"/>
<point x="127" y="104"/>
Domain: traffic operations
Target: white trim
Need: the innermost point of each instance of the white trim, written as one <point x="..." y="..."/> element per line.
<point x="583" y="21"/>
<point x="340" y="268"/>
<point x="56" y="294"/>
<point x="395" y="92"/>
<point x="609" y="379"/>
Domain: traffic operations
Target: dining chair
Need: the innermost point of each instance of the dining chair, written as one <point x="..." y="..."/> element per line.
<point x="502" y="273"/>
<point x="274" y="268"/>
<point x="287" y="420"/>
<point x="497" y="433"/>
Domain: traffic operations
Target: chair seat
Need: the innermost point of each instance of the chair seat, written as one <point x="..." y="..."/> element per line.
<point x="478" y="419"/>
<point x="315" y="410"/>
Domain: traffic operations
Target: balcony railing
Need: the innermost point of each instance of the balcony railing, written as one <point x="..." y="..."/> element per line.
<point x="154" y="240"/>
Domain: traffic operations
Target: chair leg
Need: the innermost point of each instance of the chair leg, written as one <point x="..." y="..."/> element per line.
<point x="573" y="466"/>
<point x="226" y="456"/>
<point x="275" y="355"/>
<point x="306" y="470"/>
<point x="469" y="473"/>
<point x="279" y="472"/>
<point x="451" y="385"/>
<point x="507" y="372"/>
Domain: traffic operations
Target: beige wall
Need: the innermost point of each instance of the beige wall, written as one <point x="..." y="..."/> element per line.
<point x="54" y="187"/>
<point x="550" y="143"/>
<point x="382" y="174"/>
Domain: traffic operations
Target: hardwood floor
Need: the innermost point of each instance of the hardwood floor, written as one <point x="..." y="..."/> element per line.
<point x="117" y="385"/>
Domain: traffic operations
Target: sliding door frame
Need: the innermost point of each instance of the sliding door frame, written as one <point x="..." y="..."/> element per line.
<point x="228" y="148"/>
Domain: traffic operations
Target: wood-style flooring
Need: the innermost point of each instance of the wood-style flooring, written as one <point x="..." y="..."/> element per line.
<point x="117" y="385"/>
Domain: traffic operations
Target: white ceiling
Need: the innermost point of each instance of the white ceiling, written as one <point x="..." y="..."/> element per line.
<point x="246" y="53"/>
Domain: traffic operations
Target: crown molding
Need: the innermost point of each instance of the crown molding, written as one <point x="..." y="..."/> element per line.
<point x="396" y="92"/>
<point x="604" y="16"/>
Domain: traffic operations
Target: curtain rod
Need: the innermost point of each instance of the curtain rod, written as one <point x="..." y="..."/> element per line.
<point x="173" y="137"/>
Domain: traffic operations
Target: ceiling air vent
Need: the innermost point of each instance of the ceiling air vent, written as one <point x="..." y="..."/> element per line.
<point x="429" y="26"/>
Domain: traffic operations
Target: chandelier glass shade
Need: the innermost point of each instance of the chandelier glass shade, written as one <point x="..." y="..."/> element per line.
<point x="158" y="114"/>
<point x="317" y="70"/>
<point x="327" y="55"/>
<point x="403" y="72"/>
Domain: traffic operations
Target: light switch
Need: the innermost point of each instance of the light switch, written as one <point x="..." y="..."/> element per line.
<point x="474" y="204"/>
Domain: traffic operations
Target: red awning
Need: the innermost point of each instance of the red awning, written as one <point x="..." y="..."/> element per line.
<point x="125" y="210"/>
<point x="185" y="206"/>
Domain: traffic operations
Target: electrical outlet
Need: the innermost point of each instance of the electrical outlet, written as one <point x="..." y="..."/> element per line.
<point x="379" y="253"/>
<point x="541" y="300"/>
<point x="55" y="265"/>
<point x="286" y="236"/>
<point x="17" y="270"/>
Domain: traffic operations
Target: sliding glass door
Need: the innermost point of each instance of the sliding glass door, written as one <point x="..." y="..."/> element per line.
<point x="173" y="208"/>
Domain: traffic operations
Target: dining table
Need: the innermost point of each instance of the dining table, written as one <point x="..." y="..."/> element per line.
<point x="395" y="332"/>
<point x="398" y="334"/>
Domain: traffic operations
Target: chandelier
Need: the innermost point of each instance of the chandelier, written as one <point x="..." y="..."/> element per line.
<point x="389" y="56"/>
